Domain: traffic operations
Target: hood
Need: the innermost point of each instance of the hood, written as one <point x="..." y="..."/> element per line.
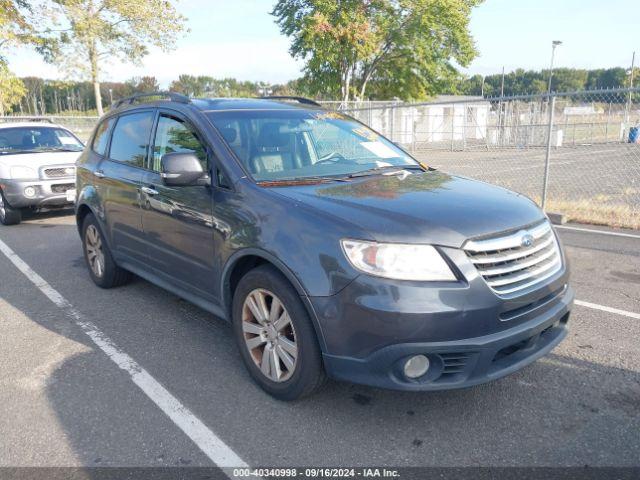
<point x="37" y="160"/>
<point x="431" y="207"/>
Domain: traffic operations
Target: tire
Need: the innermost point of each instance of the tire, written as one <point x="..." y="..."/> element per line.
<point x="103" y="271"/>
<point x="8" y="214"/>
<point x="277" y="336"/>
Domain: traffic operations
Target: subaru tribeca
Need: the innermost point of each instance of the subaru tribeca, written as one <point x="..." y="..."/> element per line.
<point x="330" y="250"/>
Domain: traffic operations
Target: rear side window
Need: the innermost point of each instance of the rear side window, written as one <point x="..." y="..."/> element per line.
<point x="130" y="139"/>
<point x="101" y="138"/>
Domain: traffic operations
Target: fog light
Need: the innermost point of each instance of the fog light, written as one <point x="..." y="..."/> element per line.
<point x="29" y="192"/>
<point x="416" y="366"/>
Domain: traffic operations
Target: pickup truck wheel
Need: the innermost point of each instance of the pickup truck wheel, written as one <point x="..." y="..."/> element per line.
<point x="275" y="335"/>
<point x="102" y="268"/>
<point x="8" y="214"/>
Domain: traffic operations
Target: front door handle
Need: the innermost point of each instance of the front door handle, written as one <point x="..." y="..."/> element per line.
<point x="149" y="191"/>
<point x="99" y="173"/>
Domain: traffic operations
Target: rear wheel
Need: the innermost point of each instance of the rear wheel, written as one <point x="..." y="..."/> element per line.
<point x="102" y="268"/>
<point x="275" y="335"/>
<point x="8" y="214"/>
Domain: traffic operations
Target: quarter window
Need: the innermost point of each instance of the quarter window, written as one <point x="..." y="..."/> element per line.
<point x="173" y="135"/>
<point x="101" y="139"/>
<point x="131" y="138"/>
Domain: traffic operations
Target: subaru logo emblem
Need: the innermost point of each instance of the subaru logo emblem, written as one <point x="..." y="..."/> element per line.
<point x="527" y="240"/>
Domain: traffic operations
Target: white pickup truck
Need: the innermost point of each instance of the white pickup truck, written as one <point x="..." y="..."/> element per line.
<point x="37" y="168"/>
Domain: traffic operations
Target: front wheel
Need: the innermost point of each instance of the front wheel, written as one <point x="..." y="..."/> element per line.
<point x="275" y="335"/>
<point x="8" y="214"/>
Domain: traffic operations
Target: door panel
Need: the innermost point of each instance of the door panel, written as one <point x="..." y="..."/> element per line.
<point x="177" y="221"/>
<point x="120" y="191"/>
<point x="119" y="179"/>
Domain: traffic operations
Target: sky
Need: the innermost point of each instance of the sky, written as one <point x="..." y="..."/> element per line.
<point x="238" y="38"/>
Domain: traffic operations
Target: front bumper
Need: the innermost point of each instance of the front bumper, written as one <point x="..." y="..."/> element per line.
<point x="469" y="334"/>
<point x="49" y="193"/>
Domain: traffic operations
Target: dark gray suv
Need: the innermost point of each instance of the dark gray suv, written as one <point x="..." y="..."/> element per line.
<point x="330" y="250"/>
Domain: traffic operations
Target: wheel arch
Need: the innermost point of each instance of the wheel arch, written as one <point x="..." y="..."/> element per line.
<point x="246" y="260"/>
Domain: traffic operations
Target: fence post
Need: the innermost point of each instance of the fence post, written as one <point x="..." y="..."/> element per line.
<point x="464" y="127"/>
<point x="545" y="184"/>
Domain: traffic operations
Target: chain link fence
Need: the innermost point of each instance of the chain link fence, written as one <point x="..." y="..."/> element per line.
<point x="576" y="154"/>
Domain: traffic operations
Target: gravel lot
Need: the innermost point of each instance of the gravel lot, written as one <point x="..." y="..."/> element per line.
<point x="66" y="403"/>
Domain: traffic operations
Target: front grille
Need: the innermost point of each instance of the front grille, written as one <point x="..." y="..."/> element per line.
<point x="62" y="187"/>
<point x="60" y="172"/>
<point x="516" y="261"/>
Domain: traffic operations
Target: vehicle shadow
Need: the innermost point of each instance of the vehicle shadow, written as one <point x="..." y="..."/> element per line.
<point x="43" y="215"/>
<point x="560" y="411"/>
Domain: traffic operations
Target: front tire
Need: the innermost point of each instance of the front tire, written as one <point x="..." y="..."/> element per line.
<point x="8" y="214"/>
<point x="275" y="335"/>
<point x="102" y="268"/>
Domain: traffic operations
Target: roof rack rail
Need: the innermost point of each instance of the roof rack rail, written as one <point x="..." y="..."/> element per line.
<point x="306" y="101"/>
<point x="12" y="119"/>
<point x="174" y="97"/>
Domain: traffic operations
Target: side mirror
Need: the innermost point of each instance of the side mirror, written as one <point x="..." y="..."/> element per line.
<point x="181" y="169"/>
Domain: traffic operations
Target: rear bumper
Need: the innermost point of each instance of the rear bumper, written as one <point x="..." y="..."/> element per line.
<point x="49" y="193"/>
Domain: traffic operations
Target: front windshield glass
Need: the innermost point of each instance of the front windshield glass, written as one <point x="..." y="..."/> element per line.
<point x="37" y="139"/>
<point x="296" y="144"/>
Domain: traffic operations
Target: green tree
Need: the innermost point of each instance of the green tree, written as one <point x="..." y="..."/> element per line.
<point x="405" y="47"/>
<point x="11" y="89"/>
<point x="22" y="24"/>
<point x="124" y="29"/>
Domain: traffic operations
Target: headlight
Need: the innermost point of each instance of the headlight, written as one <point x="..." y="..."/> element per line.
<point x="398" y="261"/>
<point x="23" y="173"/>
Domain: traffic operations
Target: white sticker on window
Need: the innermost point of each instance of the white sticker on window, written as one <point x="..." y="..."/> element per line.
<point x="379" y="149"/>
<point x="68" y="141"/>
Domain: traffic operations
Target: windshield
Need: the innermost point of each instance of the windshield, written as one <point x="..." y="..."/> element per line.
<point x="297" y="144"/>
<point x="37" y="139"/>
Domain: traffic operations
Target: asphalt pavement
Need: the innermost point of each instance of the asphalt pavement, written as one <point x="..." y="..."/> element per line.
<point x="67" y="403"/>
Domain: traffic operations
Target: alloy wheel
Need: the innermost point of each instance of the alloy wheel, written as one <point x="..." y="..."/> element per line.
<point x="269" y="335"/>
<point x="3" y="212"/>
<point x="95" y="254"/>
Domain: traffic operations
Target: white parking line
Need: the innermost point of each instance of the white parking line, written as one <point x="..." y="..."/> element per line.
<point x="601" y="232"/>
<point x="219" y="452"/>
<point x="617" y="311"/>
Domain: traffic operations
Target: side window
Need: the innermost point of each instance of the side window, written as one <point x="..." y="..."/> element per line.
<point x="131" y="138"/>
<point x="173" y="135"/>
<point x="101" y="138"/>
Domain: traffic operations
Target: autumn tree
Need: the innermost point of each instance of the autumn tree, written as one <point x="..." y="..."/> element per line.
<point x="95" y="31"/>
<point x="406" y="47"/>
<point x="11" y="89"/>
<point x="21" y="24"/>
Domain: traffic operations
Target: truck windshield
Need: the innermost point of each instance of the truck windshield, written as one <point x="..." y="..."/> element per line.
<point x="297" y="144"/>
<point x="37" y="139"/>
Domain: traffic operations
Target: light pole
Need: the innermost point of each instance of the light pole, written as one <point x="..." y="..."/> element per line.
<point x="627" y="107"/>
<point x="111" y="95"/>
<point x="554" y="44"/>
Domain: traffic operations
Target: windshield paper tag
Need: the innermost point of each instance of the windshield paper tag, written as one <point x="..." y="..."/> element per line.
<point x="68" y="141"/>
<point x="379" y="149"/>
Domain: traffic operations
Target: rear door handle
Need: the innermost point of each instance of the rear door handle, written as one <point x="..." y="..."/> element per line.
<point x="99" y="173"/>
<point x="149" y="191"/>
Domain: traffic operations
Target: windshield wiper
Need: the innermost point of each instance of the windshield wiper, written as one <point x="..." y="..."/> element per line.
<point x="59" y="149"/>
<point x="299" y="181"/>
<point x="14" y="152"/>
<point x="390" y="169"/>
